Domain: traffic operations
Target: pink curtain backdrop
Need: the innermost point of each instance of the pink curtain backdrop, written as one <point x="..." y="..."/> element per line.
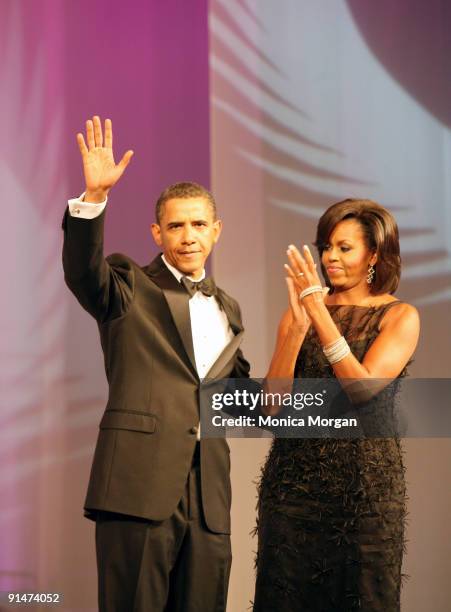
<point x="145" y="65"/>
<point x="309" y="102"/>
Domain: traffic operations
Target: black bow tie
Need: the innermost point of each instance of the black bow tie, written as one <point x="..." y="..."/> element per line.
<point x="207" y="286"/>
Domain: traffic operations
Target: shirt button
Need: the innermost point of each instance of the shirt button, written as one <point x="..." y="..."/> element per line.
<point x="77" y="211"/>
<point x="193" y="430"/>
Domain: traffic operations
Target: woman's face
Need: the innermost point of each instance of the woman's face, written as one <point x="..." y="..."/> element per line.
<point x="346" y="257"/>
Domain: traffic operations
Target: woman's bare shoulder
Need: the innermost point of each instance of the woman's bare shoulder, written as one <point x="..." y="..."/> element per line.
<point x="400" y="313"/>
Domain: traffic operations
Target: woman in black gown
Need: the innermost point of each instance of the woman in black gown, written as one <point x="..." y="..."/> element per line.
<point x="332" y="511"/>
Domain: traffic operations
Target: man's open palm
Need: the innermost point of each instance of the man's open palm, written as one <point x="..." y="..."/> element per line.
<point x="100" y="170"/>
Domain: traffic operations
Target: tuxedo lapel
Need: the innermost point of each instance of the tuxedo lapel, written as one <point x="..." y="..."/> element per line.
<point x="231" y="312"/>
<point x="227" y="354"/>
<point x="177" y="299"/>
<point x="235" y="323"/>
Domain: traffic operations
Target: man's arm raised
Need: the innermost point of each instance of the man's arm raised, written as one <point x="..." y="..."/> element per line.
<point x="100" y="170"/>
<point x="104" y="291"/>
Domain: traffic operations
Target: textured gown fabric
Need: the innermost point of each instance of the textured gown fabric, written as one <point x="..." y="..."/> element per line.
<point x="331" y="512"/>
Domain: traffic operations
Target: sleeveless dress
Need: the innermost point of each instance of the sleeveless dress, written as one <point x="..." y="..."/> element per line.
<point x="331" y="512"/>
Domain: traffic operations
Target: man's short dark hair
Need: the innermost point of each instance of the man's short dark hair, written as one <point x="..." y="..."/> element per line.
<point x="184" y="190"/>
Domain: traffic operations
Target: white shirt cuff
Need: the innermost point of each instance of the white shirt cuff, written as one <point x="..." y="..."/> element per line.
<point x="85" y="210"/>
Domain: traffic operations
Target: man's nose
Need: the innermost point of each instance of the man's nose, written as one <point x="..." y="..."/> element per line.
<point x="188" y="235"/>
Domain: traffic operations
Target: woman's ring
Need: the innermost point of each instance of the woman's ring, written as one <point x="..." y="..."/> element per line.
<point x="300" y="274"/>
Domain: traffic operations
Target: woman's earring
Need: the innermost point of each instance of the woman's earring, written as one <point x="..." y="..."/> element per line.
<point x="370" y="275"/>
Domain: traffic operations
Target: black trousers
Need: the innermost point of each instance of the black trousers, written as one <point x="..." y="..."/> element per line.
<point x="175" y="565"/>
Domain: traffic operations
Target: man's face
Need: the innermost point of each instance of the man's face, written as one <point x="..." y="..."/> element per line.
<point x="186" y="233"/>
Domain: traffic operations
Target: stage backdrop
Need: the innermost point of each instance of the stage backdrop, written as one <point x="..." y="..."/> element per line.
<point x="307" y="103"/>
<point x="145" y="65"/>
<point x="313" y="102"/>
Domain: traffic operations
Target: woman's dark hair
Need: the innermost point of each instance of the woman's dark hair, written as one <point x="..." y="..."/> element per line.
<point x="381" y="236"/>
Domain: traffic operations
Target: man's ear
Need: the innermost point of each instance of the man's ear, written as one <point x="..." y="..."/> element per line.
<point x="156" y="233"/>
<point x="217" y="228"/>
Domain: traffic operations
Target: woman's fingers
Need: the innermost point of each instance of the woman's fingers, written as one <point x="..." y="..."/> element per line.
<point x="309" y="259"/>
<point x="289" y="270"/>
<point x="292" y="294"/>
<point x="295" y="255"/>
<point x="290" y="285"/>
<point x="298" y="311"/>
<point x="296" y="261"/>
<point x="298" y="268"/>
<point x="298" y="278"/>
<point x="304" y="259"/>
<point x="307" y="265"/>
<point x="98" y="137"/>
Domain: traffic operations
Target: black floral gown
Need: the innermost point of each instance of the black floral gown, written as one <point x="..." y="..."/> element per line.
<point x="331" y="512"/>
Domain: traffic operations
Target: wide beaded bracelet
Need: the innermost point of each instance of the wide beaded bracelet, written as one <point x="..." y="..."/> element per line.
<point x="336" y="351"/>
<point x="309" y="290"/>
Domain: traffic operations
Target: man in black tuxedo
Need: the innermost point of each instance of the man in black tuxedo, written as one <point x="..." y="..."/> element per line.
<point x="160" y="496"/>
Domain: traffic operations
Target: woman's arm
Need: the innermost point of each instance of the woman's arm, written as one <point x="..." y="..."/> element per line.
<point x="288" y="343"/>
<point x="389" y="353"/>
<point x="290" y="335"/>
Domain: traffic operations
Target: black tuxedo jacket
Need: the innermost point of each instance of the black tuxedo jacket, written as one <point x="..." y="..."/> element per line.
<point x="148" y="431"/>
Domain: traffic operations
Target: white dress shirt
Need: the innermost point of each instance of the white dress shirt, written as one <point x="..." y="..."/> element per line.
<point x="210" y="327"/>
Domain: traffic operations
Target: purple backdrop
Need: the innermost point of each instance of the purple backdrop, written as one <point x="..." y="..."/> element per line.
<point x="145" y="65"/>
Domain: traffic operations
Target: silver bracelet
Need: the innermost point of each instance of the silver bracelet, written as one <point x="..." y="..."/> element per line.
<point x="329" y="348"/>
<point x="309" y="290"/>
<point x="338" y="350"/>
